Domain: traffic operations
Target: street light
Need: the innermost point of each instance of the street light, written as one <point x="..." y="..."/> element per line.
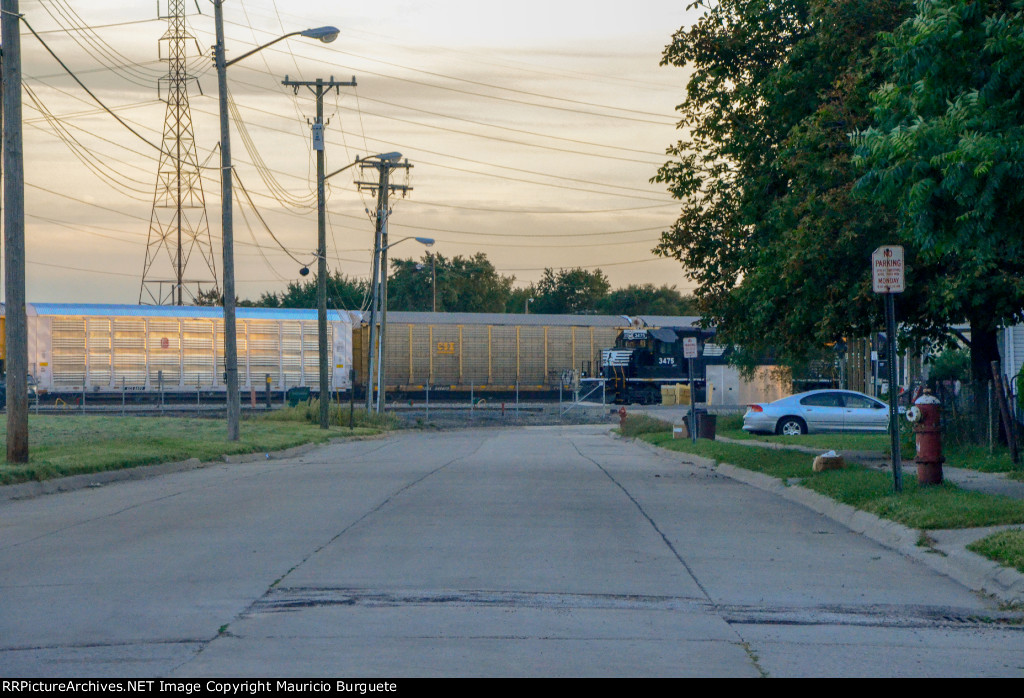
<point x="383" y="290"/>
<point x="433" y="282"/>
<point x="325" y="34"/>
<point x="526" y="305"/>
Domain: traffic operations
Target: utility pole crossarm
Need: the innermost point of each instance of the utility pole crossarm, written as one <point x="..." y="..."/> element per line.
<point x="372" y="187"/>
<point x="319" y="83"/>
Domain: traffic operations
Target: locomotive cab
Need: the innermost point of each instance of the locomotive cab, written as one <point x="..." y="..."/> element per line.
<point x="644" y="359"/>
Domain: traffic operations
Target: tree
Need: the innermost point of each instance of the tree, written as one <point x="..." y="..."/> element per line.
<point x="343" y="292"/>
<point x="646" y="299"/>
<point x="946" y="152"/>
<point x="213" y="297"/>
<point x="519" y="299"/>
<point x="570" y="291"/>
<point x="464" y="284"/>
<point x="771" y="229"/>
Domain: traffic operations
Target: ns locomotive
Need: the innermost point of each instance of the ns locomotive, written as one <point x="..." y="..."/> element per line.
<point x="646" y="358"/>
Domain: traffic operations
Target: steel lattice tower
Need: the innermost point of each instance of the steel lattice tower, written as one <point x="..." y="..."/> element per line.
<point x="178" y="226"/>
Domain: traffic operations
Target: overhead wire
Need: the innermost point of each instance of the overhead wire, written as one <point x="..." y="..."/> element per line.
<point x="514" y="179"/>
<point x="670" y="119"/>
<point x="88" y="40"/>
<point x="112" y="176"/>
<point x="266" y="227"/>
<point x="495" y="138"/>
<point x="474" y="56"/>
<point x="512" y="129"/>
<point x="307" y="202"/>
<point x="258" y="162"/>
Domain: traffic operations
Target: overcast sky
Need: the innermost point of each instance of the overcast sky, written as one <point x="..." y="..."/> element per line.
<point x="532" y="127"/>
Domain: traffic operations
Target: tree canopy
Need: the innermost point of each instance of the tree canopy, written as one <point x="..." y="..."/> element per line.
<point x="770" y="228"/>
<point x="464" y="284"/>
<point x="473" y="285"/>
<point x="946" y="152"/>
<point x="570" y="291"/>
<point x="777" y="227"/>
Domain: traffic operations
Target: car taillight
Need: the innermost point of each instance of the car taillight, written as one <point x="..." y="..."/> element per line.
<point x="755" y="408"/>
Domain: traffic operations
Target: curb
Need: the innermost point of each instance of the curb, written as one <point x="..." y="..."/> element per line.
<point x="37" y="488"/>
<point x="954" y="561"/>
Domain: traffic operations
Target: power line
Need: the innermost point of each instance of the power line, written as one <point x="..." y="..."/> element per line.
<point x="500" y="87"/>
<point x="490" y="174"/>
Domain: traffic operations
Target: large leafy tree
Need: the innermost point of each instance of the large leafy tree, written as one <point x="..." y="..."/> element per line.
<point x="646" y="299"/>
<point x="570" y="291"/>
<point x="947" y="153"/>
<point x="771" y="230"/>
<point x="464" y="284"/>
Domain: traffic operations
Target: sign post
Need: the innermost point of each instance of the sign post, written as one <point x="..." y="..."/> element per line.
<point x="690" y="353"/>
<point x="887" y="278"/>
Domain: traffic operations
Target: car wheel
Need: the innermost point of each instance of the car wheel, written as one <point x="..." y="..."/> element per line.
<point x="791" y="426"/>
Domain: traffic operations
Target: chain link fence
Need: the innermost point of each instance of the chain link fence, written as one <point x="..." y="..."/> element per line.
<point x="971" y="411"/>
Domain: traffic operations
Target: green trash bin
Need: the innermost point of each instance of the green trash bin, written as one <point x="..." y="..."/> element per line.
<point x="297" y="395"/>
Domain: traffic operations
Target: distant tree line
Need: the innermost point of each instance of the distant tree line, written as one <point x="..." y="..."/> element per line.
<point x="473" y="285"/>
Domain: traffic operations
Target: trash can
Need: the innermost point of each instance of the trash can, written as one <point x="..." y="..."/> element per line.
<point x="706" y="424"/>
<point x="297" y="395"/>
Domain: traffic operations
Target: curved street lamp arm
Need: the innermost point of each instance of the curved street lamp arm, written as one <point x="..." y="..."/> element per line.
<point x="324" y="34"/>
<point x="260" y="48"/>
<point x="351" y="164"/>
<point x="379" y="156"/>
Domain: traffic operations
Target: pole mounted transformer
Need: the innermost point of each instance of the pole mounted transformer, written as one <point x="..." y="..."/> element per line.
<point x="178" y="226"/>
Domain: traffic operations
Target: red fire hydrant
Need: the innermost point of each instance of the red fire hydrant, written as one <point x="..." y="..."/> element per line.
<point x="622" y="417"/>
<point x="926" y="414"/>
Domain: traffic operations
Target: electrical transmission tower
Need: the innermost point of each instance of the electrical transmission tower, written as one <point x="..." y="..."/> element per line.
<point x="178" y="227"/>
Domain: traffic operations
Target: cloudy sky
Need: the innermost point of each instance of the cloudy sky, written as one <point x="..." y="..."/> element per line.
<point x="532" y="127"/>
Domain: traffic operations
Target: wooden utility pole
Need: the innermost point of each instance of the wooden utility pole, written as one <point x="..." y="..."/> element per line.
<point x="14" y="237"/>
<point x="319" y="87"/>
<point x="384" y="164"/>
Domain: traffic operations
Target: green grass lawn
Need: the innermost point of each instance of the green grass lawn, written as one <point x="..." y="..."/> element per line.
<point x="946" y="506"/>
<point x="72" y="445"/>
<point x="973" y="457"/>
<point x="1006" y="548"/>
<point x="731" y="426"/>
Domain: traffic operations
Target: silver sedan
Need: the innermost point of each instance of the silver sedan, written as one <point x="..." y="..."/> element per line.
<point x="818" y="411"/>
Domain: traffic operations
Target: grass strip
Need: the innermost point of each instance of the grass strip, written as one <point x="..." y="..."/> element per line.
<point x="1005" y="547"/>
<point x="74" y="445"/>
<point x="945" y="506"/>
<point x="971" y="456"/>
<point x="777" y="463"/>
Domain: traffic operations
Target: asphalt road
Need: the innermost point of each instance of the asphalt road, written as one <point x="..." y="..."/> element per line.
<point x="536" y="551"/>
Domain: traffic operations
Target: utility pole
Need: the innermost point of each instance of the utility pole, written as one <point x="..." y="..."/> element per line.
<point x="379" y="279"/>
<point x="325" y="34"/>
<point x="14" y="236"/>
<point x="234" y="406"/>
<point x="319" y="87"/>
